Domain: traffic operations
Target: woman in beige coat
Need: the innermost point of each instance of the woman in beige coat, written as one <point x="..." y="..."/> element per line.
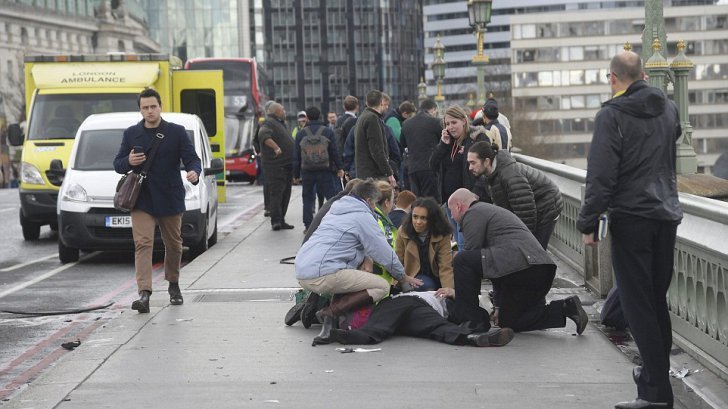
<point x="425" y="235"/>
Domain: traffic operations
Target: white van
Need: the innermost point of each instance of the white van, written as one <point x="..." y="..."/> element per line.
<point x="87" y="219"/>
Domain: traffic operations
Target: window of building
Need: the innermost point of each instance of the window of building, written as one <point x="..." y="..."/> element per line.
<point x="593" y="101"/>
<point x="591" y="77"/>
<point x="528" y="31"/>
<point x="576" y="77"/>
<point x="576" y="53"/>
<point x="716" y="22"/>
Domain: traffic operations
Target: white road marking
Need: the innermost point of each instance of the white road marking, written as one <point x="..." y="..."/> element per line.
<point x="46" y="275"/>
<point x="27" y="263"/>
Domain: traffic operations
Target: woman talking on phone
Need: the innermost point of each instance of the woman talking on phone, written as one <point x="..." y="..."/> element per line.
<point x="450" y="157"/>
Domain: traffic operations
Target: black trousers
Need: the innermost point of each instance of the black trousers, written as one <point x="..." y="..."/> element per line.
<point x="520" y="295"/>
<point x="642" y="256"/>
<point x="424" y="183"/>
<point x="543" y="233"/>
<point x="278" y="185"/>
<point x="410" y="316"/>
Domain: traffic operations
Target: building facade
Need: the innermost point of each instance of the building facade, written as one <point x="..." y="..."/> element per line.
<point x="318" y="51"/>
<point x="559" y="63"/>
<point x="210" y="28"/>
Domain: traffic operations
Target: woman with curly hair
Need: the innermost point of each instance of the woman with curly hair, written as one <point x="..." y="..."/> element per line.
<point x="423" y="245"/>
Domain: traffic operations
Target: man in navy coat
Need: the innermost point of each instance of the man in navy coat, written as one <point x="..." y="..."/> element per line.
<point x="162" y="198"/>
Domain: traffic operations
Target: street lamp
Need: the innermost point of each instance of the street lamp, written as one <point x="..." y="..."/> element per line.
<point x="479" y="13"/>
<point x="422" y="88"/>
<point x="438" y="67"/>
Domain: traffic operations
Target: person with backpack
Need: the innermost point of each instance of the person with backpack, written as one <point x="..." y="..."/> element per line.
<point x="315" y="160"/>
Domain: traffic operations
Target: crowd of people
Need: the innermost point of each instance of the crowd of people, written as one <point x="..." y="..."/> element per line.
<point x="414" y="209"/>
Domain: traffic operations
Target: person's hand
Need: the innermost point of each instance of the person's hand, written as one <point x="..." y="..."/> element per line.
<point x="340" y="173"/>
<point x="445" y="138"/>
<point x="413" y="282"/>
<point x="367" y="265"/>
<point x="192" y="176"/>
<point x="588" y="239"/>
<point x="445" y="292"/>
<point x="278" y="152"/>
<point x="136" y="159"/>
<point x="392" y="180"/>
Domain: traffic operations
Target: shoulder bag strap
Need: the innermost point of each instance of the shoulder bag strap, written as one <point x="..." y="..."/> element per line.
<point x="152" y="153"/>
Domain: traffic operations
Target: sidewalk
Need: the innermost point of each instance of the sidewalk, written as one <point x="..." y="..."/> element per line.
<point x="227" y="347"/>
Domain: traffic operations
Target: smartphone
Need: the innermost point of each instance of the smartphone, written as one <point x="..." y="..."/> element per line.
<point x="138" y="149"/>
<point x="603" y="228"/>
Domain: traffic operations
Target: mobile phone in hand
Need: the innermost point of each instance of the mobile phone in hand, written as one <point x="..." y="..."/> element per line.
<point x="138" y="149"/>
<point x="603" y="228"/>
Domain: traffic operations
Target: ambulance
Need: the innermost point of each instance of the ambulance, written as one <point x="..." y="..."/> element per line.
<point x="62" y="90"/>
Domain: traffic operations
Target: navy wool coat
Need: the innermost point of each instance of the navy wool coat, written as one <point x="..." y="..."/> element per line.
<point x="163" y="192"/>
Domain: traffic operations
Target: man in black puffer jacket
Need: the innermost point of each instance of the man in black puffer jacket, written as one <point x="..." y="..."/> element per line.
<point x="525" y="191"/>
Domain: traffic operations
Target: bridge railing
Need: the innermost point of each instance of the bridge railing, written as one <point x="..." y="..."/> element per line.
<point x="698" y="295"/>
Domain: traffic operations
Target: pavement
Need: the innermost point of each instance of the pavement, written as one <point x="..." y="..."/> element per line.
<point x="227" y="347"/>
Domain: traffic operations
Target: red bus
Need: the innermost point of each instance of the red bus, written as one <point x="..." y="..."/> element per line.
<point x="243" y="81"/>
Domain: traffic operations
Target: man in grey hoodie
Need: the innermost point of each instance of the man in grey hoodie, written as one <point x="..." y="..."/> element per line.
<point x="330" y="262"/>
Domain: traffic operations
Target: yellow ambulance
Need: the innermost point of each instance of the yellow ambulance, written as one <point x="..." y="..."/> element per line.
<point x="62" y="90"/>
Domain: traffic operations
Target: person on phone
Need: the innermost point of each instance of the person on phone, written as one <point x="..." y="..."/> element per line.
<point x="162" y="197"/>
<point x="420" y="135"/>
<point x="449" y="157"/>
<point x="631" y="175"/>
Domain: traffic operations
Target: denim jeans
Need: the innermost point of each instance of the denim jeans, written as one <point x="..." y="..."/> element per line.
<point x="456" y="233"/>
<point x="312" y="183"/>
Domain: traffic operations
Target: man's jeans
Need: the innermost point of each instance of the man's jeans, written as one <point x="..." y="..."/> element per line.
<point x="313" y="182"/>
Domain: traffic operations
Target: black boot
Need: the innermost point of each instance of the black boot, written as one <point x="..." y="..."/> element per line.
<point x="338" y="306"/>
<point x="347" y="337"/>
<point x="142" y="304"/>
<point x="575" y="312"/>
<point x="175" y="294"/>
<point x="308" y="313"/>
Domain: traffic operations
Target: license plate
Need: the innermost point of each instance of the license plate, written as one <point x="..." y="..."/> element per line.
<point x="118" y="221"/>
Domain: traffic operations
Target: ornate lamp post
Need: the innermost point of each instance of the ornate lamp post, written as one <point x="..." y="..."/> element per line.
<point x="479" y="13"/>
<point x="438" y="68"/>
<point x="422" y="88"/>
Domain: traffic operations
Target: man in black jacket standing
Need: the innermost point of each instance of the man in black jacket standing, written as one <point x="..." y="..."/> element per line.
<point x="631" y="175"/>
<point x="420" y="135"/>
<point x="277" y="151"/>
<point x="371" y="155"/>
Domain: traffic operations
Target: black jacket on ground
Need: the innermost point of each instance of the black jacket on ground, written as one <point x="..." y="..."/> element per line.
<point x="420" y="135"/>
<point x="631" y="163"/>
<point x="525" y="191"/>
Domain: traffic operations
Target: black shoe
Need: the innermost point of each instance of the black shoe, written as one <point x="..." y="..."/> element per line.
<point x="642" y="404"/>
<point x="142" y="304"/>
<point x="294" y="314"/>
<point x="286" y="226"/>
<point x="573" y="310"/>
<point x="175" y="294"/>
<point x="496" y="337"/>
<point x="276" y="226"/>
<point x="308" y="313"/>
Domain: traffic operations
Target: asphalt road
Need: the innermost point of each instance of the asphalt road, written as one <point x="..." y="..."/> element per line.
<point x="33" y="280"/>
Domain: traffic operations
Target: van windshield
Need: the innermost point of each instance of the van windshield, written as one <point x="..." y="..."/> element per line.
<point x="97" y="149"/>
<point x="58" y="116"/>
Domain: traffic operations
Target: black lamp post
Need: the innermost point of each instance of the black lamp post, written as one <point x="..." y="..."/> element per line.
<point x="479" y="14"/>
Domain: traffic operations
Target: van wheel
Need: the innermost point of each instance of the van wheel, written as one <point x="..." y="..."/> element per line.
<point x="31" y="231"/>
<point x="67" y="254"/>
<point x="213" y="239"/>
<point x="201" y="246"/>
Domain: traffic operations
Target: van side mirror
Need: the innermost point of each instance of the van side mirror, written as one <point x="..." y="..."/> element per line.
<point x="216" y="166"/>
<point x="15" y="135"/>
<point x="56" y="173"/>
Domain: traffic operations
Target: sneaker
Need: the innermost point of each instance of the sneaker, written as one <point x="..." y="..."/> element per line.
<point x="496" y="337"/>
<point x="575" y="312"/>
